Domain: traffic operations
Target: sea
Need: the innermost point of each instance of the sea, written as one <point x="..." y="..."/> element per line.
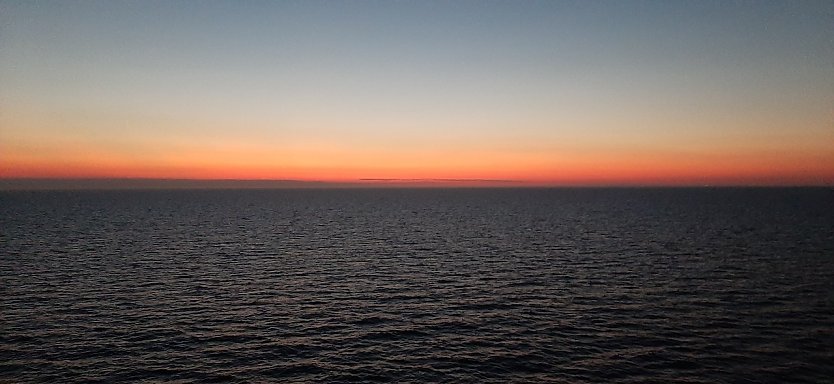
<point x="459" y="285"/>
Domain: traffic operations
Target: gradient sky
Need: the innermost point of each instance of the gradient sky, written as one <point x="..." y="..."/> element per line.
<point x="550" y="92"/>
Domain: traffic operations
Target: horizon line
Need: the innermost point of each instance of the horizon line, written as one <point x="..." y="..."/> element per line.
<point x="145" y="183"/>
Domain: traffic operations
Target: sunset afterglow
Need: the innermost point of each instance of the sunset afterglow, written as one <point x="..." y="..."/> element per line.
<point x="525" y="93"/>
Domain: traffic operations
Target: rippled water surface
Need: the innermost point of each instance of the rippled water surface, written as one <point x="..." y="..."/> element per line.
<point x="508" y="285"/>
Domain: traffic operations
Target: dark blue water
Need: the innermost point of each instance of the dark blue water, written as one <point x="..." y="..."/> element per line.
<point x="512" y="285"/>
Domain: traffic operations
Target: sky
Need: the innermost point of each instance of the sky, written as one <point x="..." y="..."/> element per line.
<point x="528" y="92"/>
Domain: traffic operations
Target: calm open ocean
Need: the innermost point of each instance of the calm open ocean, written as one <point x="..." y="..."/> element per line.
<point x="408" y="285"/>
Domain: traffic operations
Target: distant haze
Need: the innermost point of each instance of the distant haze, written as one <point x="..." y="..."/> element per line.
<point x="139" y="183"/>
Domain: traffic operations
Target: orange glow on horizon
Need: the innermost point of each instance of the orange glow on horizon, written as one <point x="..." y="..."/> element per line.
<point x="493" y="161"/>
<point x="479" y="168"/>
